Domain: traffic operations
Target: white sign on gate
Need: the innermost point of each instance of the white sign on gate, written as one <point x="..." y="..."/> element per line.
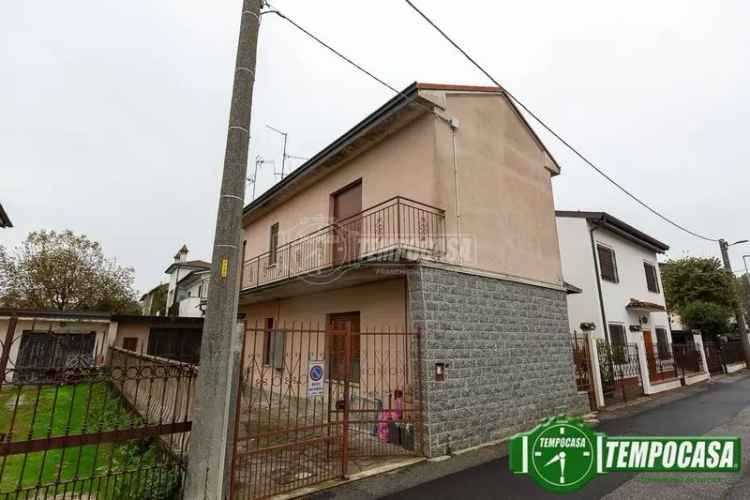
<point x="315" y="379"/>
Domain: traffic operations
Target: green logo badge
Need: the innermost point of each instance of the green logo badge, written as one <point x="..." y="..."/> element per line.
<point x="558" y="454"/>
<point x="563" y="454"/>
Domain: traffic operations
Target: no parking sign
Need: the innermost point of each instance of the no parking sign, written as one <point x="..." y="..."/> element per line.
<point x="315" y="378"/>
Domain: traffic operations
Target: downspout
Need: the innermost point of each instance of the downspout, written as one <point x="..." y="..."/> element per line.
<point x="453" y="124"/>
<point x="593" y="228"/>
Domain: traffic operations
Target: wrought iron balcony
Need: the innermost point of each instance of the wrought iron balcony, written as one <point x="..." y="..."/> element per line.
<point x="398" y="227"/>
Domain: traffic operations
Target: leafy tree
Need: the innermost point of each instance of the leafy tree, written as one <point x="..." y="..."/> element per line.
<point x="709" y="318"/>
<point x="743" y="288"/>
<point x="158" y="301"/>
<point x="66" y="272"/>
<point x="698" y="279"/>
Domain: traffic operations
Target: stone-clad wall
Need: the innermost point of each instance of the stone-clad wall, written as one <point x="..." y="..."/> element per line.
<point x="507" y="347"/>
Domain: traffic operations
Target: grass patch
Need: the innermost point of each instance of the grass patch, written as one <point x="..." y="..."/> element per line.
<point x="38" y="412"/>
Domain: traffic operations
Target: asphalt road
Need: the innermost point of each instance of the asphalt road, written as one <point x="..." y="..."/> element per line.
<point x="695" y="414"/>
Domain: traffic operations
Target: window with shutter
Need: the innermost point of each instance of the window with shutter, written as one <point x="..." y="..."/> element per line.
<point x="273" y="244"/>
<point x="273" y="346"/>
<point x="662" y="344"/>
<point x="652" y="282"/>
<point x="607" y="263"/>
<point x="618" y="342"/>
<point x="277" y="354"/>
<point x="268" y="341"/>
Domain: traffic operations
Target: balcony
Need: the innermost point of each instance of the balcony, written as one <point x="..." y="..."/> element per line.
<point x="392" y="231"/>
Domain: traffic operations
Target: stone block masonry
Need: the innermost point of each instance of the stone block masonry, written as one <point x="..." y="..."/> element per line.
<point x="507" y="351"/>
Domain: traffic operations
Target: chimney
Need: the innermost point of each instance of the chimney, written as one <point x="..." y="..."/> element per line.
<point x="181" y="256"/>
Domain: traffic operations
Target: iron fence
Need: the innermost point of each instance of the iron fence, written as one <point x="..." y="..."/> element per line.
<point x="661" y="362"/>
<point x="398" y="224"/>
<point x="292" y="432"/>
<point x="713" y="357"/>
<point x="582" y="362"/>
<point x="88" y="422"/>
<point x="620" y="370"/>
<point x="687" y="358"/>
<point x="732" y="352"/>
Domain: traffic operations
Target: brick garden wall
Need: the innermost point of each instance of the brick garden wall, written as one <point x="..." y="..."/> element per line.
<point x="508" y="351"/>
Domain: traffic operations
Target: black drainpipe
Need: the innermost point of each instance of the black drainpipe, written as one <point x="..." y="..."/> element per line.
<point x="594" y="227"/>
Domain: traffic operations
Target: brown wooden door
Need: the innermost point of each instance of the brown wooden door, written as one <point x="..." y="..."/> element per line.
<point x="337" y="356"/>
<point x="650" y="353"/>
<point x="346" y="204"/>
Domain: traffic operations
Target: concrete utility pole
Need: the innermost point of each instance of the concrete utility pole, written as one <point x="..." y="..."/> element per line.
<point x="212" y="432"/>
<point x="739" y="308"/>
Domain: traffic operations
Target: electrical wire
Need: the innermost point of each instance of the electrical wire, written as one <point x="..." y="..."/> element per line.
<point x="509" y="94"/>
<point x="555" y="134"/>
<point x="342" y="56"/>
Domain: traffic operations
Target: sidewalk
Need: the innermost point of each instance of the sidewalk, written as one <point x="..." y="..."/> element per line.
<point x="409" y="477"/>
<point x="429" y="471"/>
<point x="678" y="486"/>
<point x="644" y="402"/>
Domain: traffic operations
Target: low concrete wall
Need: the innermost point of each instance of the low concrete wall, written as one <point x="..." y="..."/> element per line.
<point x="735" y="367"/>
<point x="507" y="355"/>
<point x="658" y="387"/>
<point x="695" y="379"/>
<point x="160" y="390"/>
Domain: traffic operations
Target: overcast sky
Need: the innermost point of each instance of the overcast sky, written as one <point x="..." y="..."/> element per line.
<point x="113" y="115"/>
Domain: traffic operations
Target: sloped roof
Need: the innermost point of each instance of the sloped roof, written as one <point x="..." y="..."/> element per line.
<point x="161" y="285"/>
<point x="197" y="264"/>
<point x="617" y="226"/>
<point x="193" y="275"/>
<point x="408" y="102"/>
<point x="644" y="306"/>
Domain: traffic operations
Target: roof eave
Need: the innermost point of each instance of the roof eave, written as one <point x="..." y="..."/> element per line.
<point x="397" y="103"/>
<point x="617" y="226"/>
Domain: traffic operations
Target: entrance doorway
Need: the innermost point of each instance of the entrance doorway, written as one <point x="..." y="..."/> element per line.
<point x="650" y="355"/>
<point x="337" y="369"/>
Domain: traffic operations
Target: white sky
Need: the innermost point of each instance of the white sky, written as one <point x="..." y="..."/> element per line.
<point x="113" y="115"/>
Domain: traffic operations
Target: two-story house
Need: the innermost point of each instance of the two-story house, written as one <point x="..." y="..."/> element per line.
<point x="434" y="213"/>
<point x="187" y="289"/>
<point x="616" y="266"/>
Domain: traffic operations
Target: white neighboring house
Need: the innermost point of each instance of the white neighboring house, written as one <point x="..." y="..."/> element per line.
<point x="187" y="285"/>
<point x="616" y="266"/>
<point x="192" y="293"/>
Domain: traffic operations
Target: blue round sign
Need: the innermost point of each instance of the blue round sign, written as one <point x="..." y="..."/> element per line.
<point x="316" y="373"/>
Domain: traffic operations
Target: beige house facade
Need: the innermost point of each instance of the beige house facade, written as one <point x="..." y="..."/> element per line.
<point x="433" y="214"/>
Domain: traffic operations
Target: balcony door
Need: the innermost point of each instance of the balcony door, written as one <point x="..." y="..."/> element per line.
<point x="346" y="204"/>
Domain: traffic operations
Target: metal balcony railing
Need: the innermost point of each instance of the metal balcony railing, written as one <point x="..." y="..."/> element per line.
<point x="395" y="224"/>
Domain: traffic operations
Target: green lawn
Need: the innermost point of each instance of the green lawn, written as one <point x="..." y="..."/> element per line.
<point x="69" y="410"/>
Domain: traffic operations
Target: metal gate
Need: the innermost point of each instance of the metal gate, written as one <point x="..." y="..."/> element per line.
<point x="54" y="351"/>
<point x="298" y="424"/>
<point x="713" y="357"/>
<point x="105" y="423"/>
<point x="687" y="359"/>
<point x="582" y="361"/>
<point x="620" y="370"/>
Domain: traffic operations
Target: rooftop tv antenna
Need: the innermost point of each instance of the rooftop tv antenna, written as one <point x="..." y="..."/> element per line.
<point x="284" y="135"/>
<point x="259" y="162"/>
<point x="284" y="154"/>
